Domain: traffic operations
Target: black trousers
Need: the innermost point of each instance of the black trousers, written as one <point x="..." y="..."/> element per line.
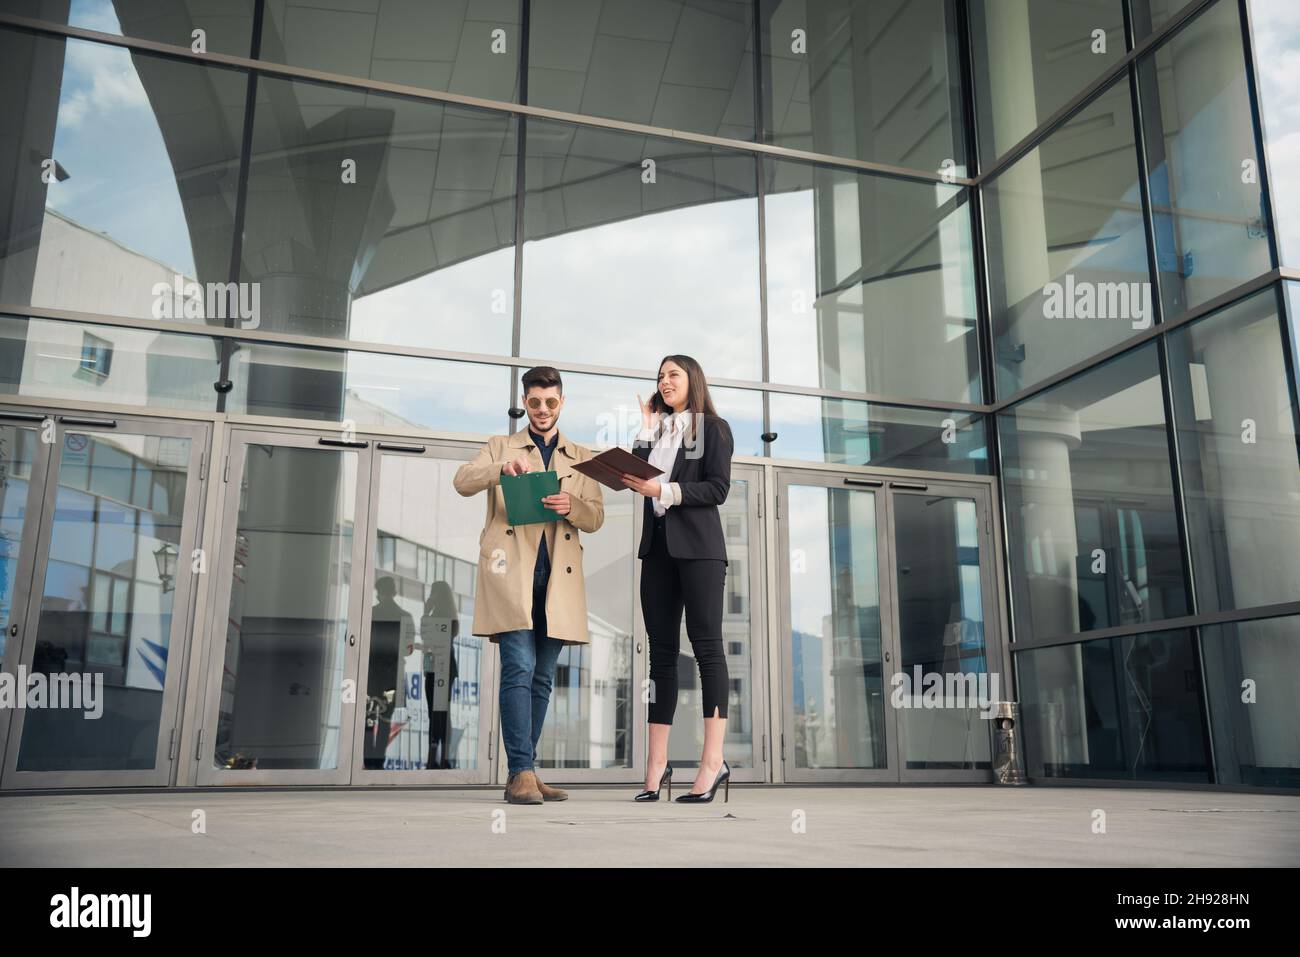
<point x="669" y="586"/>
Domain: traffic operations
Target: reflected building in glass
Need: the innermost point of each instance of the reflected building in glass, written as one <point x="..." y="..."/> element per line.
<point x="998" y="297"/>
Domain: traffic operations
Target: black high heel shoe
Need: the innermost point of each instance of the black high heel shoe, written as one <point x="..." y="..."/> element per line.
<point x="724" y="778"/>
<point x="667" y="779"/>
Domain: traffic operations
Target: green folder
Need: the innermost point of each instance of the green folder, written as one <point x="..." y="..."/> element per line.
<point x="524" y="494"/>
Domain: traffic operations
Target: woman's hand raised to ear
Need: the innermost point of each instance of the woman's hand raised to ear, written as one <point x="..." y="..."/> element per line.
<point x="649" y="418"/>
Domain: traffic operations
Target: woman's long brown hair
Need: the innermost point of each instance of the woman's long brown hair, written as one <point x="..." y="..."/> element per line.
<point x="697" y="395"/>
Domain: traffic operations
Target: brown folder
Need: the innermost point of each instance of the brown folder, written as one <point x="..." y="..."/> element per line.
<point x="609" y="467"/>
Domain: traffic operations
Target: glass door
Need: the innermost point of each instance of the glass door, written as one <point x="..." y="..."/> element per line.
<point x="347" y="593"/>
<point x="24" y="459"/>
<point x="945" y="614"/>
<point x="428" y="712"/>
<point x="890" y="637"/>
<point x="106" y="561"/>
<point x="283" y="690"/>
<point x="836" y="643"/>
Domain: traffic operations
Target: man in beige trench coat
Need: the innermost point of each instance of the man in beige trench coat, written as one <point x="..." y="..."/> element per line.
<point x="531" y="598"/>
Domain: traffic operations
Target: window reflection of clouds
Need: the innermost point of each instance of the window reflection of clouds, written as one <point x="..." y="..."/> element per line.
<point x="121" y="178"/>
<point x="430" y="393"/>
<point x="1277" y="60"/>
<point x="451" y="307"/>
<point x="626" y="293"/>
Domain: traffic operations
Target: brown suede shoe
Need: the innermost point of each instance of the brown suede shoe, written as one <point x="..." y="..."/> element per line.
<point x="549" y="793"/>
<point x="521" y="788"/>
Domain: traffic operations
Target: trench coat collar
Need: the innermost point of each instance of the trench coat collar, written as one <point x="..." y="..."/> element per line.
<point x="522" y="440"/>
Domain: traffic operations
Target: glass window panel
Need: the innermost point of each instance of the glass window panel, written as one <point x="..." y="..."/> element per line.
<point x="110" y="471"/>
<point x="117" y="189"/>
<point x="115" y="536"/>
<point x="1235" y="414"/>
<point x="437" y="46"/>
<point x="1118" y="708"/>
<point x="1092" y="537"/>
<point x="41" y="357"/>
<point x="678" y="65"/>
<point x="368" y="388"/>
<point x="847" y="432"/>
<point x="1275" y="28"/>
<point x="1152" y="15"/>
<point x="141" y="488"/>
<point x="1067" y="249"/>
<point x="1211" y="230"/>
<point x="1031" y="57"/>
<point x="67" y="544"/>
<point x="602" y="411"/>
<point x="118" y="620"/>
<point x="620" y="270"/>
<point x="99" y="597"/>
<point x="1252" y="674"/>
<point x="381" y="219"/>
<point x="867" y="80"/>
<point x="870" y="284"/>
<point x="227" y="25"/>
<point x="406" y="557"/>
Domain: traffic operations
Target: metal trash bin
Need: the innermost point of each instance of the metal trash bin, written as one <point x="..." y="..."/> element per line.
<point x="1008" y="759"/>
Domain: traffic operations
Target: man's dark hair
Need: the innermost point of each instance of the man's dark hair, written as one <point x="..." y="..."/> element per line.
<point x="543" y="377"/>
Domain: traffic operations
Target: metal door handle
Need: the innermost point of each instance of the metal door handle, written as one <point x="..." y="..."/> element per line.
<point x="396" y="447"/>
<point x="352" y="640"/>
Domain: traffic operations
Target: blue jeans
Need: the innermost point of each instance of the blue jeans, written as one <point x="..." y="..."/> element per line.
<point x="527" y="675"/>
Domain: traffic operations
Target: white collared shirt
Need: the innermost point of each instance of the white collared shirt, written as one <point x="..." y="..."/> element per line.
<point x="663" y="454"/>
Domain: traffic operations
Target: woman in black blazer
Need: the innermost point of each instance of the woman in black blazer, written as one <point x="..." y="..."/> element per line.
<point x="683" y="564"/>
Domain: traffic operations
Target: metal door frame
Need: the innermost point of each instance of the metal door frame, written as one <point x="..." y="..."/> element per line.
<point x="993" y="646"/>
<point x="160" y="774"/>
<point x="482" y="772"/>
<point x="239" y="438"/>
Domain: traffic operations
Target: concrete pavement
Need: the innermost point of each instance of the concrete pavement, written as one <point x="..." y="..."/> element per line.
<point x="773" y="825"/>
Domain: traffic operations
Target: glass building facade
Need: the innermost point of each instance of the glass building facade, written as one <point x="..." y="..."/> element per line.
<point x="998" y="296"/>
